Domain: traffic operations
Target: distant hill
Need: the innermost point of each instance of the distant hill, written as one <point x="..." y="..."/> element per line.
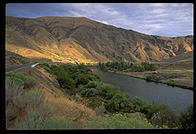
<point x="181" y="57"/>
<point x="184" y="61"/>
<point x="79" y="39"/>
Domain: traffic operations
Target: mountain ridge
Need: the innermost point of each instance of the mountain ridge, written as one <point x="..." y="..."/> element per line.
<point x="79" y="39"/>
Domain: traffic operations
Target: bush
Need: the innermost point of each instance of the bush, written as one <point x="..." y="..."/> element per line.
<point x="186" y="120"/>
<point x="149" y="109"/>
<point x="95" y="101"/>
<point x="33" y="98"/>
<point x="140" y="105"/>
<point x="45" y="110"/>
<point x="164" y="117"/>
<point x="89" y="92"/>
<point x="66" y="82"/>
<point x="91" y="84"/>
<point x="148" y="66"/>
<point x="103" y="88"/>
<point x="13" y="87"/>
<point x="119" y="121"/>
<point x="61" y="124"/>
<point x="152" y="78"/>
<point x="32" y="121"/>
<point x="23" y="61"/>
<point x="82" y="79"/>
<point x="36" y="118"/>
<point x="28" y="80"/>
<point x="154" y="108"/>
<point x="117" y="103"/>
<point x="100" y="110"/>
<point x="138" y="68"/>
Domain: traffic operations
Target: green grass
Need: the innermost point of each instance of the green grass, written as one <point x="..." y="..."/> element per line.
<point x="120" y="121"/>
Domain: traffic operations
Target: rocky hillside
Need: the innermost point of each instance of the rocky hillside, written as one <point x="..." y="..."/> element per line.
<point x="70" y="39"/>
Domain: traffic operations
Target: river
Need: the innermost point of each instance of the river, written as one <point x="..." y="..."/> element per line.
<point x="176" y="98"/>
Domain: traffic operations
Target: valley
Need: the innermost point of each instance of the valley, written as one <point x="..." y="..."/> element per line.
<point x="63" y="91"/>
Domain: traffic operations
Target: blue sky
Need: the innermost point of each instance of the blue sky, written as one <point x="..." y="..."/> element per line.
<point x="164" y="19"/>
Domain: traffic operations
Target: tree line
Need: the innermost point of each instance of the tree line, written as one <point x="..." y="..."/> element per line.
<point x="129" y="66"/>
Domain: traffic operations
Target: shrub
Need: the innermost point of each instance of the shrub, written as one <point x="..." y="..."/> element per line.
<point x="186" y="120"/>
<point x="66" y="82"/>
<point x="137" y="68"/>
<point x="33" y="98"/>
<point x="95" y="101"/>
<point x="154" y="108"/>
<point x="100" y="110"/>
<point x="14" y="88"/>
<point x="148" y="66"/>
<point x="110" y="94"/>
<point x="47" y="69"/>
<point x="28" y="80"/>
<point x="91" y="84"/>
<point x="140" y="105"/>
<point x="129" y="108"/>
<point x="152" y="78"/>
<point x="117" y="103"/>
<point x="23" y="61"/>
<point x="61" y="124"/>
<point x="82" y="79"/>
<point x="149" y="109"/>
<point x="164" y="117"/>
<point x="103" y="88"/>
<point x="36" y="118"/>
<point x="89" y="92"/>
<point x="32" y="121"/>
<point x="45" y="110"/>
<point x="102" y="66"/>
<point x="119" y="121"/>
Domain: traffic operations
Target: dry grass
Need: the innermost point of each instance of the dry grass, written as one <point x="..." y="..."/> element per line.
<point x="69" y="109"/>
<point x="69" y="53"/>
<point x="63" y="106"/>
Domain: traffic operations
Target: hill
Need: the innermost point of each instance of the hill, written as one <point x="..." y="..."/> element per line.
<point x="13" y="59"/>
<point x="72" y="39"/>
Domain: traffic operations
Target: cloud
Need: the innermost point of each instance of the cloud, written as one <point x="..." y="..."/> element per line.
<point x="166" y="19"/>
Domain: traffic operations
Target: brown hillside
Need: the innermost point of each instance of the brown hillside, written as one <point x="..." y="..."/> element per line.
<point x="71" y="39"/>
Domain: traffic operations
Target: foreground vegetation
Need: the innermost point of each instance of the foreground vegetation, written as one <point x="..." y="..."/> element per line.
<point x="106" y="99"/>
<point x="30" y="111"/>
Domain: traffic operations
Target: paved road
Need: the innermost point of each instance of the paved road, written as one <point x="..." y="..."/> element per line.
<point x="21" y="67"/>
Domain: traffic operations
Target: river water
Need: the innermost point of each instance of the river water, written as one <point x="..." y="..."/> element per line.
<point x="177" y="99"/>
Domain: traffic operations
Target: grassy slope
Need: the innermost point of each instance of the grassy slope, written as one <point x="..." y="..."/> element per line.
<point x="64" y="107"/>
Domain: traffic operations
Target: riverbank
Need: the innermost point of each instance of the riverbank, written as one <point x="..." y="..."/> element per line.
<point x="142" y="75"/>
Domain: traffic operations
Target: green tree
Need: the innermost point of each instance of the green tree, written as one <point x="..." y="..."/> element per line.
<point x="186" y="120"/>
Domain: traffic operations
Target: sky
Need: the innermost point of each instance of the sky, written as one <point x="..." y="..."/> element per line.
<point x="163" y="19"/>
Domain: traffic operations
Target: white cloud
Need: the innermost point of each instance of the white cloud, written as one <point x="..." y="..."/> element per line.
<point x="157" y="11"/>
<point x="157" y="4"/>
<point x="153" y="18"/>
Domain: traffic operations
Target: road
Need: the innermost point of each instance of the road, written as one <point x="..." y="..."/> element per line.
<point x="21" y="67"/>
